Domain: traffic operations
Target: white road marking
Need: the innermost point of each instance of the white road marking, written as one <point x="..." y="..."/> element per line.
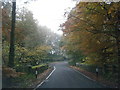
<point x="46" y="78"/>
<point x="87" y="77"/>
<point x="51" y="73"/>
<point x="39" y="85"/>
<point x="84" y="75"/>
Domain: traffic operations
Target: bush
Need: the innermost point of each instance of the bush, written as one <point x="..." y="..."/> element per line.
<point x="22" y="68"/>
<point x="40" y="68"/>
<point x="73" y="63"/>
<point x="31" y="69"/>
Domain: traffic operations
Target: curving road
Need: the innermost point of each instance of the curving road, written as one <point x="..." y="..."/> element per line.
<point x="65" y="77"/>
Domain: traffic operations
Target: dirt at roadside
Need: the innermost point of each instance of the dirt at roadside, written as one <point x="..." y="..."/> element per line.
<point x="31" y="83"/>
<point x="93" y="76"/>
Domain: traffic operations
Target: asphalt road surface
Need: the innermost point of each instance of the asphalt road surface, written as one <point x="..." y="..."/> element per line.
<point x="65" y="77"/>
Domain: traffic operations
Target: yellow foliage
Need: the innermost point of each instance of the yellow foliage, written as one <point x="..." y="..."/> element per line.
<point x="90" y="29"/>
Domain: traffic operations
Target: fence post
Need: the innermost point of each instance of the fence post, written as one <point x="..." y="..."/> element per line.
<point x="36" y="72"/>
<point x="96" y="71"/>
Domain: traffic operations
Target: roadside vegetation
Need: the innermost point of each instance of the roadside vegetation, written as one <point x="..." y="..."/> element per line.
<point x="35" y="46"/>
<point x="92" y="38"/>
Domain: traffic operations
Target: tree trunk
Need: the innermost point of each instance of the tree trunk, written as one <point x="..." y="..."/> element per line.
<point x="12" y="37"/>
<point x="118" y="58"/>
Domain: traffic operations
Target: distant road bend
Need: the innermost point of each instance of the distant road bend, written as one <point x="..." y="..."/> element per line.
<point x="65" y="77"/>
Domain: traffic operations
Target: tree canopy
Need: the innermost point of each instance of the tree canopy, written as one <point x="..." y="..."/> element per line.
<point x="93" y="28"/>
<point x="33" y="42"/>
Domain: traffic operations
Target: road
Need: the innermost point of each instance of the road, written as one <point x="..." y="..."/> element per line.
<point x="65" y="77"/>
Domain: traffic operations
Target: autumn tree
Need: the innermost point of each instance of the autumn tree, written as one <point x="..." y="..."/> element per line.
<point x="29" y="36"/>
<point x="91" y="28"/>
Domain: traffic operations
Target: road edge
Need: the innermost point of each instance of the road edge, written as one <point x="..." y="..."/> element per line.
<point x="91" y="78"/>
<point x="54" y="68"/>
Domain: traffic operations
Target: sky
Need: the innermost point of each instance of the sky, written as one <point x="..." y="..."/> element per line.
<point x="50" y="13"/>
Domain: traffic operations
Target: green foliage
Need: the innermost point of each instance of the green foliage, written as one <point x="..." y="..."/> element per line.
<point x="38" y="66"/>
<point x="5" y="52"/>
<point x="33" y="43"/>
<point x="72" y="62"/>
